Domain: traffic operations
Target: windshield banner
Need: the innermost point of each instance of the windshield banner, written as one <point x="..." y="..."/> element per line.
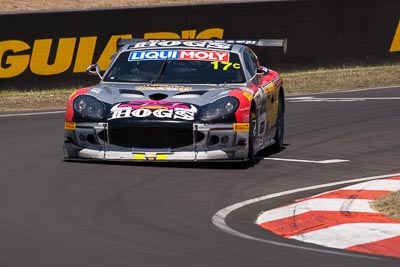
<point x="179" y="55"/>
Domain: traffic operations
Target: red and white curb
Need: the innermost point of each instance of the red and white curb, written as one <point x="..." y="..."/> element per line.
<point x="340" y="219"/>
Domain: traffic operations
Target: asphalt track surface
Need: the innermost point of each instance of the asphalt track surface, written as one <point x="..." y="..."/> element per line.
<point x="55" y="213"/>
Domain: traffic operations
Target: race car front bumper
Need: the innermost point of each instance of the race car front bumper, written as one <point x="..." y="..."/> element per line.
<point x="210" y="142"/>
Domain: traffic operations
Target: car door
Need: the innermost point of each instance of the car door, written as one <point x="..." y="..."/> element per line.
<point x="267" y="92"/>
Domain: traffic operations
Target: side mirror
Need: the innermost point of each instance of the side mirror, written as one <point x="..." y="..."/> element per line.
<point x="262" y="71"/>
<point x="94" y="69"/>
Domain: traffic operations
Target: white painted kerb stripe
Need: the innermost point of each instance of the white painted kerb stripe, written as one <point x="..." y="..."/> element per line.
<point x="330" y="204"/>
<point x="384" y="185"/>
<point x="350" y="234"/>
<point x="317" y="204"/>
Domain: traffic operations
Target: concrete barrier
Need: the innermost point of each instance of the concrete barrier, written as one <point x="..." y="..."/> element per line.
<point x="53" y="49"/>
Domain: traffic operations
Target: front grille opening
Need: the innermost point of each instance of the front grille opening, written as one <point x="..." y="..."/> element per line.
<point x="151" y="137"/>
<point x="103" y="136"/>
<point x="158" y="96"/>
<point x="90" y="138"/>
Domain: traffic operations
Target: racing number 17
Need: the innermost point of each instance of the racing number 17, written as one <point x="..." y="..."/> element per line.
<point x="225" y="65"/>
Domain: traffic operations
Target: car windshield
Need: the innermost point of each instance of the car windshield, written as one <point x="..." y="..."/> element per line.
<point x="176" y="66"/>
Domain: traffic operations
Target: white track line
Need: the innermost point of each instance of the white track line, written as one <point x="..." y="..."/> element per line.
<point x="347" y="91"/>
<point x="219" y="218"/>
<point x="337" y="99"/>
<point x="31" y="114"/>
<point x="329" y="161"/>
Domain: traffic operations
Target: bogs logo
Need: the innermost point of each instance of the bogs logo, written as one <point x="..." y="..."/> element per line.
<point x="154" y="109"/>
<point x="77" y="53"/>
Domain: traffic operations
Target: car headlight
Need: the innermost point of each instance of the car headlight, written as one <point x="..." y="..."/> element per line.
<point x="220" y="109"/>
<point x="89" y="106"/>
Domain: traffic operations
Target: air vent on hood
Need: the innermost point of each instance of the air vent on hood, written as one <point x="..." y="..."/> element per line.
<point x="158" y="96"/>
<point x="127" y="92"/>
<point x="190" y="94"/>
<point x="194" y="92"/>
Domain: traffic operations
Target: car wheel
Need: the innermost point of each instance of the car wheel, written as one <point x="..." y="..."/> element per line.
<point x="280" y="125"/>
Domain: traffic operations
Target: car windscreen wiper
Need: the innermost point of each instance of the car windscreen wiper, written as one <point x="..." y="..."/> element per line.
<point x="160" y="72"/>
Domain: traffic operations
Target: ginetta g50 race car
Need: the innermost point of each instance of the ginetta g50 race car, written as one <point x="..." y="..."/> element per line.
<point x="178" y="100"/>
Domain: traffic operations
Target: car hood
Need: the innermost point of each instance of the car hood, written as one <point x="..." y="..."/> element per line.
<point x="199" y="95"/>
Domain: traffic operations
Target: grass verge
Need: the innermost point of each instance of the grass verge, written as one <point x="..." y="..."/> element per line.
<point x="34" y="100"/>
<point x="312" y="81"/>
<point x="388" y="205"/>
<point x="328" y="80"/>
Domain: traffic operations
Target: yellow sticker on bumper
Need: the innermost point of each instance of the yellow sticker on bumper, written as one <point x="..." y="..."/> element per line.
<point x="69" y="125"/>
<point x="150" y="156"/>
<point x="241" y="127"/>
<point x="139" y="157"/>
<point x="161" y="157"/>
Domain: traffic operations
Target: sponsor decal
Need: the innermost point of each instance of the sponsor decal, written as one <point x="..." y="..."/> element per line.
<point x="172" y="43"/>
<point x="161" y="157"/>
<point x="150" y="156"/>
<point x="153" y="55"/>
<point x="269" y="87"/>
<point x="225" y="65"/>
<point x="45" y="57"/>
<point x="248" y="96"/>
<point x="278" y="82"/>
<point x="97" y="90"/>
<point x="69" y="125"/>
<point x="204" y="55"/>
<point x="154" y="109"/>
<point x="241" y="127"/>
<point x="215" y="56"/>
<point x="139" y="156"/>
<point x="164" y="87"/>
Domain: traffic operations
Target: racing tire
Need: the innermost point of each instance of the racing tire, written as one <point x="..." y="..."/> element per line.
<point x="280" y="126"/>
<point x="252" y="134"/>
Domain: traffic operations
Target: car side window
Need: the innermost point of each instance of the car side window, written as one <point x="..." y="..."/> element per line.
<point x="250" y="62"/>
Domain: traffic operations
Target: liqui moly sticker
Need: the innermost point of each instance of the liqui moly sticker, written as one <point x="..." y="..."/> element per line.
<point x="205" y="55"/>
